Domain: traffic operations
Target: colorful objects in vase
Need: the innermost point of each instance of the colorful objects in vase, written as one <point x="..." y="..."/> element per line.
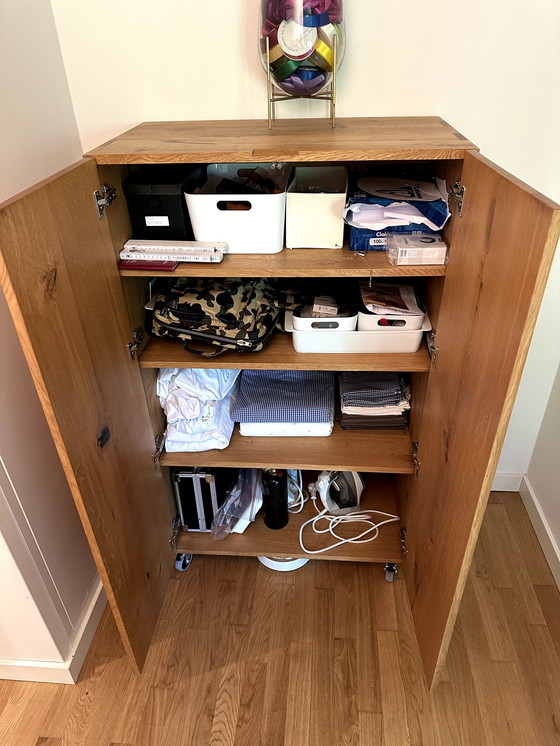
<point x="304" y="37"/>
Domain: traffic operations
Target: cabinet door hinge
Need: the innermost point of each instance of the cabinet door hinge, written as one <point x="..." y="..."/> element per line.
<point x="104" y="198"/>
<point x="134" y="346"/>
<point x="415" y="459"/>
<point x="403" y="542"/>
<point x="457" y="193"/>
<point x="160" y="442"/>
<point x="175" y="528"/>
<point x="433" y="349"/>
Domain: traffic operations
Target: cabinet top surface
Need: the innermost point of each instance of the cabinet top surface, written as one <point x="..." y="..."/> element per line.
<point x="297" y="140"/>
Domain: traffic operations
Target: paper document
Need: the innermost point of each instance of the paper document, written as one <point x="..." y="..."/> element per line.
<point x="390" y="298"/>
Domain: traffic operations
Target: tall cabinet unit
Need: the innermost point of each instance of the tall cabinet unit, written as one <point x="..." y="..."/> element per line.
<point x="80" y="325"/>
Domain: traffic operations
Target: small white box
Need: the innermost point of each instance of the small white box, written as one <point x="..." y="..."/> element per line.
<point x="409" y="250"/>
<point x="314" y="220"/>
<point x="387" y="323"/>
<point x="324" y="323"/>
<point x="337" y="342"/>
<point x="257" y="229"/>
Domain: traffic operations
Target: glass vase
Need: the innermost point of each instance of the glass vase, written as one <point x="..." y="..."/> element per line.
<point x="305" y="40"/>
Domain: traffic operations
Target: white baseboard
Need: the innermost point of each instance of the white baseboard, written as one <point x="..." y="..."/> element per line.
<point x="542" y="529"/>
<point x="68" y="671"/>
<point x="507" y="482"/>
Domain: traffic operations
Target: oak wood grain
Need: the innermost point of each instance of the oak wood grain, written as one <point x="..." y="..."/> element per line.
<point x="229" y="625"/>
<point x="57" y="272"/>
<point x="279" y="354"/>
<point x="502" y="251"/>
<point x="298" y="263"/>
<point x="258" y="540"/>
<point x="297" y="140"/>
<point x="383" y="451"/>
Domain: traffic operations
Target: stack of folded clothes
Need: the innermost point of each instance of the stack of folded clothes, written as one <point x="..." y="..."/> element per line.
<point x="373" y="401"/>
<point x="197" y="405"/>
<point x="284" y="402"/>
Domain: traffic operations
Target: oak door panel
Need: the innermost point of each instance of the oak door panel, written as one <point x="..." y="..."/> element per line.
<point x="499" y="260"/>
<point x="60" y="278"/>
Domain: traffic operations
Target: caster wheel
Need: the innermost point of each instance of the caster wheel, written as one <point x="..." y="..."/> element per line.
<point x="183" y="561"/>
<point x="390" y="572"/>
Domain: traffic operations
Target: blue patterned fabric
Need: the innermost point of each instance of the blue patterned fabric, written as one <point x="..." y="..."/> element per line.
<point x="285" y="396"/>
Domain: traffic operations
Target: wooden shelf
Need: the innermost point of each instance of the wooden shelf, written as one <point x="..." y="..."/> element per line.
<point x="298" y="263"/>
<point x="258" y="540"/>
<point x="294" y="140"/>
<point x="279" y="354"/>
<point x="382" y="451"/>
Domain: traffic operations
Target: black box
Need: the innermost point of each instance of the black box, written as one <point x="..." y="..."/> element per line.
<point x="156" y="202"/>
<point x="199" y="492"/>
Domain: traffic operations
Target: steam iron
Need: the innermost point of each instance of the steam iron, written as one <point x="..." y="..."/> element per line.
<point x="340" y="491"/>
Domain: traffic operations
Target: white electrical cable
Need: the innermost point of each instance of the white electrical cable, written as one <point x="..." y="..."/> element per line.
<point x="297" y="486"/>
<point x="362" y="516"/>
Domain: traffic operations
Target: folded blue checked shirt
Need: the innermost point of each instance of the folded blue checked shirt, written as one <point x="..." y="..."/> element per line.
<point x="285" y="396"/>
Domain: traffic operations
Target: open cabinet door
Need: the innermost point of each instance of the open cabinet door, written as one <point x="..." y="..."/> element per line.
<point x="499" y="261"/>
<point x="58" y="272"/>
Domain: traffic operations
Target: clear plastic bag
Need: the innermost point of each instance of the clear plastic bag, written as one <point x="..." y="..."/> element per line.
<point x="240" y="506"/>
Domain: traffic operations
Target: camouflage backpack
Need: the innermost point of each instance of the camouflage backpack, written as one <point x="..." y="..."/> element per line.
<point x="231" y="313"/>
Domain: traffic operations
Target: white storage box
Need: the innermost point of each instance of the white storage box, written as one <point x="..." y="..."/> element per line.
<point x="314" y="219"/>
<point x="248" y="223"/>
<point x="386" y="323"/>
<point x="325" y="323"/>
<point x="387" y="340"/>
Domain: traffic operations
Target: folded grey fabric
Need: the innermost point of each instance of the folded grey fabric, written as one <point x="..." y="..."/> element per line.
<point x="285" y="396"/>
<point x="364" y="389"/>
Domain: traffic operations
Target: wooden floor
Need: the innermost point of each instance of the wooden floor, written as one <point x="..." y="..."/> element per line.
<point x="325" y="656"/>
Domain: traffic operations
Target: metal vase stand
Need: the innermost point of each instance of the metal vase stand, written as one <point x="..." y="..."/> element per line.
<point x="329" y="94"/>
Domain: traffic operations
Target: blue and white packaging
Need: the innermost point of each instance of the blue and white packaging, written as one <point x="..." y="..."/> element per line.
<point x="372" y="217"/>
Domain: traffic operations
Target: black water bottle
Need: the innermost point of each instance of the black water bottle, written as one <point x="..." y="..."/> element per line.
<point x="275" y="498"/>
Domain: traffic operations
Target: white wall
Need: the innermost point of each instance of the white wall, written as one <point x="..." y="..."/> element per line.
<point x="47" y="576"/>
<point x="544" y="468"/>
<point x="37" y="125"/>
<point x="23" y="633"/>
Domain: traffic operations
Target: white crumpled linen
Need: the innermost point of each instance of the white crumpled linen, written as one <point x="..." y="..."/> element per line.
<point x="197" y="404"/>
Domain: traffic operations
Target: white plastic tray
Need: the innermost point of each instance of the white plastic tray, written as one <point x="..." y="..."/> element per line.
<point x="389" y="340"/>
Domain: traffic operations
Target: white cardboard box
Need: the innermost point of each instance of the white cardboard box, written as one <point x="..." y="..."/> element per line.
<point x="314" y="220"/>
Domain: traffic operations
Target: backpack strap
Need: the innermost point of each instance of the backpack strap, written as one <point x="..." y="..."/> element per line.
<point x="202" y="353"/>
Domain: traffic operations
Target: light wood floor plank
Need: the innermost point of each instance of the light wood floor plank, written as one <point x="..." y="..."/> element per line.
<point x="422" y="724"/>
<point x="534" y="560"/>
<point x="324" y="656"/>
<point x="395" y="726"/>
<point x="455" y="703"/>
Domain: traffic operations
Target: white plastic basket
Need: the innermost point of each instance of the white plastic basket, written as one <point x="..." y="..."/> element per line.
<point x="256" y="229"/>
